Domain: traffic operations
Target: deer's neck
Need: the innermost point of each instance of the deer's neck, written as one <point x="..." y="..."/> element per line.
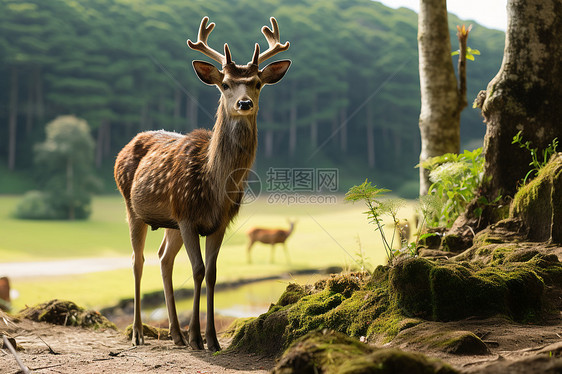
<point x="233" y="144"/>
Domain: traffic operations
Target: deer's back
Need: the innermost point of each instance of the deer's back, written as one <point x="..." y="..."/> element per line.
<point x="268" y="236"/>
<point x="162" y="178"/>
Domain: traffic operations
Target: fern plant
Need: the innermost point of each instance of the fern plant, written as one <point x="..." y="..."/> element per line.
<point x="376" y="209"/>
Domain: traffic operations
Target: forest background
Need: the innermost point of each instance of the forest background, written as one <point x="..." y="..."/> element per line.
<point x="351" y="100"/>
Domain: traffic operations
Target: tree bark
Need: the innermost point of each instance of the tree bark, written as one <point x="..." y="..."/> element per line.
<point x="440" y="115"/>
<point x="525" y="95"/>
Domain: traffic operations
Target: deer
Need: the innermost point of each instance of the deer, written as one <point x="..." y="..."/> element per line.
<point x="269" y="236"/>
<point x="403" y="231"/>
<point x="192" y="185"/>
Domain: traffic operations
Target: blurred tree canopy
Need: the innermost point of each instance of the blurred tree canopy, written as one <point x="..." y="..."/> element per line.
<point x="65" y="170"/>
<point x="351" y="99"/>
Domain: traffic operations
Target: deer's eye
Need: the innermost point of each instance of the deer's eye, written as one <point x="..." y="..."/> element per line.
<point x="225" y="86"/>
<point x="258" y="85"/>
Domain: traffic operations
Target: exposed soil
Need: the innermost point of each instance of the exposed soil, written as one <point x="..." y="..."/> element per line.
<point x="51" y="348"/>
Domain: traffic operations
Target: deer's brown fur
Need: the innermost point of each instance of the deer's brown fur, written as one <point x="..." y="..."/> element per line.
<point x="193" y="184"/>
<point x="269" y="236"/>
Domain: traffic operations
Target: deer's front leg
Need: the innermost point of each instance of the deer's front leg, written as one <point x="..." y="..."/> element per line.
<point x="168" y="250"/>
<point x="212" y="247"/>
<point x="191" y="242"/>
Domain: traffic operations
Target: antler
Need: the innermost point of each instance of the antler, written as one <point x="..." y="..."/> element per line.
<point x="204" y="48"/>
<point x="272" y="37"/>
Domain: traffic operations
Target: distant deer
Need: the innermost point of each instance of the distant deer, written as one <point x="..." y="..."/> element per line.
<point x="193" y="184"/>
<point x="270" y="236"/>
<point x="403" y="231"/>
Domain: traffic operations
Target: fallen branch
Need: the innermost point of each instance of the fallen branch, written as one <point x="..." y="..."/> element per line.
<point x="12" y="349"/>
<point x="115" y="354"/>
<point x="51" y="351"/>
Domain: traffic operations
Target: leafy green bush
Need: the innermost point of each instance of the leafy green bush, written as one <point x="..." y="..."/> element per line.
<point x="46" y="205"/>
<point x="35" y="205"/>
<point x="456" y="178"/>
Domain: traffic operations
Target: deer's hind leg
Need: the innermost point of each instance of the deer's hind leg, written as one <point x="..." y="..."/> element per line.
<point x="137" y="230"/>
<point x="171" y="244"/>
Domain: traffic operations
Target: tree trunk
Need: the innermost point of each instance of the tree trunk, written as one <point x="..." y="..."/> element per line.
<point x="525" y="94"/>
<point x="343" y="130"/>
<point x="29" y="106"/>
<point x="440" y="115"/>
<point x="314" y="125"/>
<point x="39" y="102"/>
<point x="12" y="125"/>
<point x="103" y="142"/>
<point x="293" y="121"/>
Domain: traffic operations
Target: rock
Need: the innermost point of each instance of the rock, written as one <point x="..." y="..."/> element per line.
<point x="66" y="313"/>
<point x="332" y="352"/>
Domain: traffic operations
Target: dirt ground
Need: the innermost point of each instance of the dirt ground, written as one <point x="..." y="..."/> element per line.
<point x="58" y="349"/>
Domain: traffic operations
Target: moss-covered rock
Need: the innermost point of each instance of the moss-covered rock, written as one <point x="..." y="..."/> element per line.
<point x="430" y="337"/>
<point x="409" y="281"/>
<point x="379" y="306"/>
<point x="293" y="293"/>
<point x="456" y="243"/>
<point x="150" y="332"/>
<point x="331" y="352"/>
<point x="450" y="291"/>
<point x="538" y="204"/>
<point x="66" y="313"/>
<point x="265" y="334"/>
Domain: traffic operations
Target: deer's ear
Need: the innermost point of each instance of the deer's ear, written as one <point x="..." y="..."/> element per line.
<point x="208" y="73"/>
<point x="275" y="71"/>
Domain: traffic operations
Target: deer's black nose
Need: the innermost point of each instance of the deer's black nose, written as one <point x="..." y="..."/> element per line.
<point x="245" y="104"/>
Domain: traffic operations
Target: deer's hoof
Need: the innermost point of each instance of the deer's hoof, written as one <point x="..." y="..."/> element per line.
<point x="196" y="342"/>
<point x="179" y="338"/>
<point x="213" y="345"/>
<point x="137" y="338"/>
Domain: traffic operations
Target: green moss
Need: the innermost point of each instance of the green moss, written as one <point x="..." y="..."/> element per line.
<point x="452" y="291"/>
<point x="395" y="299"/>
<point x="293" y="293"/>
<point x="66" y="313"/>
<point x="409" y="282"/>
<point x="264" y="334"/>
<point x="331" y="352"/>
<point x="344" y="285"/>
<point x="462" y="343"/>
<point x="537" y="203"/>
<point x="149" y="332"/>
<point x="431" y="241"/>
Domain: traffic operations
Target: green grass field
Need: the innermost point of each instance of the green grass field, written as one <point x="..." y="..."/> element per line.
<point x="325" y="235"/>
